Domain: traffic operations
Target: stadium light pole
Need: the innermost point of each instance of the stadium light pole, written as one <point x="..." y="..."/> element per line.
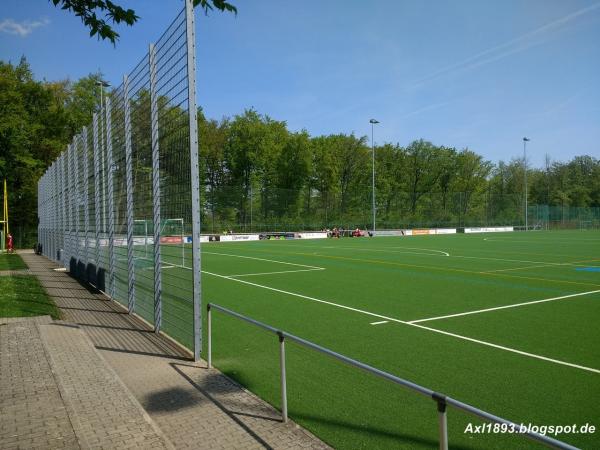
<point x="102" y="85"/>
<point x="525" y="140"/>
<point x="373" y="122"/>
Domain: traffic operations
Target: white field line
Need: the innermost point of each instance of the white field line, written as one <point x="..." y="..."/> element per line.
<point x="515" y="305"/>
<point x="272" y="273"/>
<point x="262" y="259"/>
<point x="391" y="319"/>
<point x="437" y="252"/>
<point x="379" y="323"/>
<point x="424" y="249"/>
<point x="508" y="349"/>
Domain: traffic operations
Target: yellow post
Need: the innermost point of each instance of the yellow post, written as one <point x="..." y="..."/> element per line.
<point x="4" y="217"/>
<point x="5" y="209"/>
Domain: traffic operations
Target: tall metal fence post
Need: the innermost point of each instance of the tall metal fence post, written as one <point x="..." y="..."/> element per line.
<point x="76" y="224"/>
<point x="442" y="419"/>
<point x="61" y="188"/>
<point x="195" y="178"/>
<point x="209" y="336"/>
<point x="68" y="195"/>
<point x="85" y="191"/>
<point x="284" y="411"/>
<point x="111" y="199"/>
<point x="96" y="196"/>
<point x="40" y="216"/>
<point x="155" y="191"/>
<point x="52" y="213"/>
<point x="129" y="195"/>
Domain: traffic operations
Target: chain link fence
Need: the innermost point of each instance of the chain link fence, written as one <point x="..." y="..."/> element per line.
<point x="273" y="209"/>
<point x="120" y="207"/>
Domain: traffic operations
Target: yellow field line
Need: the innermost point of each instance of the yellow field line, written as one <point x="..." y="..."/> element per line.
<point x="586" y="261"/>
<point x="445" y="269"/>
<point x="527" y="253"/>
<point x="572" y="263"/>
<point x="524" y="267"/>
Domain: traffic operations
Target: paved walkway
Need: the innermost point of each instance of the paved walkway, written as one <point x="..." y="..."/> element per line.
<point x="56" y="391"/>
<point x="193" y="406"/>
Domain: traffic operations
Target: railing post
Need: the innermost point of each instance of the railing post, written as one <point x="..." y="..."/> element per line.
<point x="443" y="419"/>
<point x="209" y="336"/>
<point x="284" y="412"/>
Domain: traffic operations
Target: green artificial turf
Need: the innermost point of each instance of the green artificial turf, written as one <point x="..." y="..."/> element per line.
<point x="11" y="261"/>
<point x="536" y="363"/>
<point x="23" y="296"/>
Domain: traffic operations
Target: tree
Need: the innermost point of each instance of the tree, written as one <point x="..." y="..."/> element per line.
<point x="423" y="170"/>
<point x="213" y="165"/>
<point x="95" y="14"/>
<point x="471" y="177"/>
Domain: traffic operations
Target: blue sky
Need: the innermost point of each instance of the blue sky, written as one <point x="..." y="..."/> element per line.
<point x="462" y="73"/>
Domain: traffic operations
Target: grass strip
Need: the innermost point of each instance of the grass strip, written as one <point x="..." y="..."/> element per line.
<point x="11" y="261"/>
<point x="23" y="296"/>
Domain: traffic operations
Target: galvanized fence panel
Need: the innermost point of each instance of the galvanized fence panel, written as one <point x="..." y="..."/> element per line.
<point x="141" y="149"/>
<point x="118" y="201"/>
<point x="118" y="212"/>
<point x="171" y="110"/>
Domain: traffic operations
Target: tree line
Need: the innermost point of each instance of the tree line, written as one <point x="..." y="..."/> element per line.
<point x="256" y="173"/>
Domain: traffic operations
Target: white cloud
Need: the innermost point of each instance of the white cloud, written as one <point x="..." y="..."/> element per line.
<point x="23" y="28"/>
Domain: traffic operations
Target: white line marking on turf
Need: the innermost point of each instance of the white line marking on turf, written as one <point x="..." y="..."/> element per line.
<point x="508" y="349"/>
<point x="379" y="323"/>
<point x="272" y="273"/>
<point x="380" y="250"/>
<point x="504" y="307"/>
<point x="425" y="249"/>
<point x="306" y="297"/>
<point x="262" y="259"/>
<point x="391" y="319"/>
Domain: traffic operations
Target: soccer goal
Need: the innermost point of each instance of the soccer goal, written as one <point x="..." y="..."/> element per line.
<point x="142" y="237"/>
<point x="172" y="238"/>
<point x="588" y="224"/>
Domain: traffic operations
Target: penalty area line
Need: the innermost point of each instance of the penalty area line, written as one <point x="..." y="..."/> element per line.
<point x="416" y="325"/>
<point x="262" y="259"/>
<point x="273" y="273"/>
<point x="515" y="305"/>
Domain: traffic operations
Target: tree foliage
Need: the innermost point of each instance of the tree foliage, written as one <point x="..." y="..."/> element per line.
<point x="100" y="16"/>
<point x="37" y="120"/>
<point x="254" y="169"/>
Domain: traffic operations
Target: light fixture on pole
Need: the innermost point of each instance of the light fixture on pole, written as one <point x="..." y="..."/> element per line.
<point x="373" y="122"/>
<point x="525" y="141"/>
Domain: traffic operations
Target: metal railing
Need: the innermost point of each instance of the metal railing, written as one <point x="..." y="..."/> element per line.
<point x="441" y="400"/>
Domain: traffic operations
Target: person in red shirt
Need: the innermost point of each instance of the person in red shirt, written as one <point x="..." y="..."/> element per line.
<point x="9" y="244"/>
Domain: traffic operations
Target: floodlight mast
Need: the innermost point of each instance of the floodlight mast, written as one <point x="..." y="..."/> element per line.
<point x="373" y="122"/>
<point x="525" y="140"/>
